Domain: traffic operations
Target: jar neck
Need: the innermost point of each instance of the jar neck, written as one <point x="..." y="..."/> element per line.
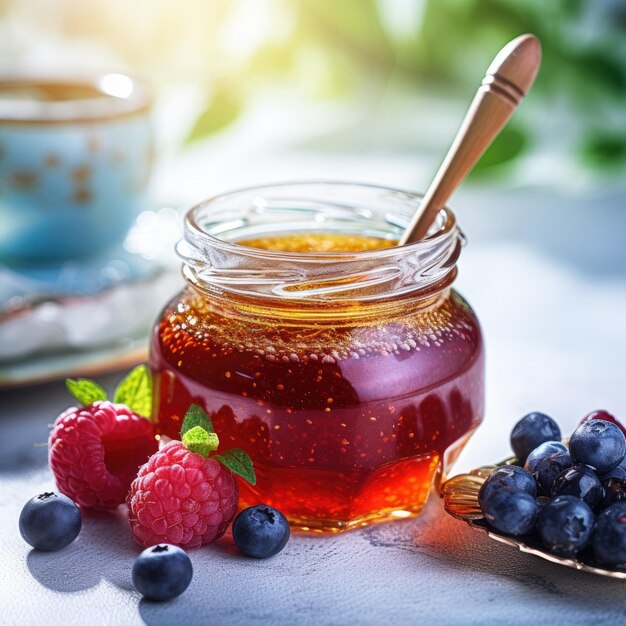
<point x="317" y="285"/>
<point x="303" y="312"/>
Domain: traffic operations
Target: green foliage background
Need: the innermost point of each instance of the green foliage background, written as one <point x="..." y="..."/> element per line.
<point x="351" y="52"/>
<point x="584" y="67"/>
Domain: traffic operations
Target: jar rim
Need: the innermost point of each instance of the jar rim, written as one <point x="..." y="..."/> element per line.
<point x="215" y="263"/>
<point x="446" y="216"/>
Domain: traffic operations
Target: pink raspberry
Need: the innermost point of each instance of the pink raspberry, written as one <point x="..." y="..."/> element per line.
<point x="95" y="452"/>
<point x="182" y="498"/>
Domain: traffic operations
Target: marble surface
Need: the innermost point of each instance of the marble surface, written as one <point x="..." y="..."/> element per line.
<point x="547" y="276"/>
<point x="434" y="569"/>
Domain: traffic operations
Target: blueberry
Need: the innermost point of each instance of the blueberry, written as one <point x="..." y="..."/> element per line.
<point x="541" y="452"/>
<point x="162" y="572"/>
<point x="565" y="525"/>
<point x="581" y="482"/>
<point x="50" y="521"/>
<point x="510" y="510"/>
<point x="549" y="468"/>
<point x="606" y="416"/>
<point x="507" y="476"/>
<point x="541" y="502"/>
<point x="614" y="491"/>
<point x="532" y="430"/>
<point x="617" y="472"/>
<point x="609" y="536"/>
<point x="598" y="443"/>
<point x="260" y="531"/>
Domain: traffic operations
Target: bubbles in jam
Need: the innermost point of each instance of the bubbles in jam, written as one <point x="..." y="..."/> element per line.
<point x="347" y="420"/>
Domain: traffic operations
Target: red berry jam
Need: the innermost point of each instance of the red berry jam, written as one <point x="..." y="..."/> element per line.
<point x="348" y="413"/>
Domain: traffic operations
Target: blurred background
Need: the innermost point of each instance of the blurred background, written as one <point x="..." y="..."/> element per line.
<point x="252" y="91"/>
<point x="353" y="77"/>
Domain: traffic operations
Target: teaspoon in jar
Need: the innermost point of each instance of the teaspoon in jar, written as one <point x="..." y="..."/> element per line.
<point x="508" y="79"/>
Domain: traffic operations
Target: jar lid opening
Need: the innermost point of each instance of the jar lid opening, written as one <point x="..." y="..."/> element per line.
<point x="213" y="258"/>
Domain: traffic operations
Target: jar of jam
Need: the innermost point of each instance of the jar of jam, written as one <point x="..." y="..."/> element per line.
<point x="345" y="366"/>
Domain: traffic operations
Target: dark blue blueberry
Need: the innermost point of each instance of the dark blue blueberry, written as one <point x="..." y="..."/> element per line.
<point x="603" y="415"/>
<point x="565" y="525"/>
<point x="541" y="502"/>
<point x="531" y="431"/>
<point x="581" y="482"/>
<point x="549" y="468"/>
<point x="614" y="491"/>
<point x="616" y="472"/>
<point x="614" y="484"/>
<point x="507" y="476"/>
<point x="609" y="536"/>
<point x="260" y="531"/>
<point x="598" y="443"/>
<point x="162" y="572"/>
<point x="541" y="452"/>
<point x="50" y="521"/>
<point x="510" y="510"/>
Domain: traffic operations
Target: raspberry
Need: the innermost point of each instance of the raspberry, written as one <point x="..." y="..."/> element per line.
<point x="95" y="452"/>
<point x="182" y="498"/>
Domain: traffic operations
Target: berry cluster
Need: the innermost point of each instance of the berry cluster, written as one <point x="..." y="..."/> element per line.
<point x="183" y="495"/>
<point x="573" y="497"/>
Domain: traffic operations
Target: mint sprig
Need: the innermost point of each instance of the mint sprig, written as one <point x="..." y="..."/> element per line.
<point x="196" y="416"/>
<point x="238" y="462"/>
<point x="197" y="434"/>
<point x="85" y="391"/>
<point x="135" y="391"/>
<point x="200" y="441"/>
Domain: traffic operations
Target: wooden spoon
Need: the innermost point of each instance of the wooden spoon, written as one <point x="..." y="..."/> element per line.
<point x="508" y="79"/>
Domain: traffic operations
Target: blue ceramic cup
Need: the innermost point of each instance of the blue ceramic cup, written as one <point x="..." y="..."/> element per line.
<point x="75" y="158"/>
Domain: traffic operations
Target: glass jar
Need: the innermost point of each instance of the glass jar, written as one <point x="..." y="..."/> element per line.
<point x="352" y="379"/>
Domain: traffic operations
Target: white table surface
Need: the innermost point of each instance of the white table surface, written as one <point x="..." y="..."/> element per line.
<point x="547" y="276"/>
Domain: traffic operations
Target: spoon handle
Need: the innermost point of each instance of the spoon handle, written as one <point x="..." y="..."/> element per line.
<point x="508" y="79"/>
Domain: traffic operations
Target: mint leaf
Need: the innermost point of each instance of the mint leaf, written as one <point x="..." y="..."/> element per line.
<point x="135" y="391"/>
<point x="196" y="416"/>
<point x="85" y="391"/>
<point x="200" y="441"/>
<point x="238" y="462"/>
